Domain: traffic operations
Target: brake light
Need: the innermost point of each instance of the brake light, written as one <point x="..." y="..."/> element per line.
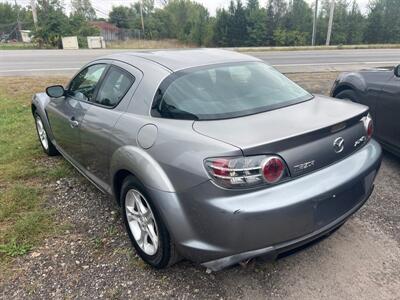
<point x="368" y="125"/>
<point x="244" y="172"/>
<point x="273" y="169"/>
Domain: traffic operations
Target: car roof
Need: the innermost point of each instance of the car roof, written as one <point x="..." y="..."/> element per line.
<point x="176" y="60"/>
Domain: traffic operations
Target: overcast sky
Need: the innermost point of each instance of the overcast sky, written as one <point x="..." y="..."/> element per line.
<point x="104" y="6"/>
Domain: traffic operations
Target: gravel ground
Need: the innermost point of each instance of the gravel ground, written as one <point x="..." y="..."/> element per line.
<point x="92" y="256"/>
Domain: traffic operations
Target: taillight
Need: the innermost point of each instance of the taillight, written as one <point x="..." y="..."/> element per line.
<point x="273" y="169"/>
<point x="244" y="172"/>
<point x="368" y="125"/>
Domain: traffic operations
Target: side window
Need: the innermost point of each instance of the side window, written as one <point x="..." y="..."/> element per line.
<point x="83" y="86"/>
<point x="114" y="87"/>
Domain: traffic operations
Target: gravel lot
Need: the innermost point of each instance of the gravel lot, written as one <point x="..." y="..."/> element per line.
<point x="92" y="256"/>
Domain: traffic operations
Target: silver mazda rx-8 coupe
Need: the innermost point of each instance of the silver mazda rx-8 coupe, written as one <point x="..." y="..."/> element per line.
<point x="212" y="155"/>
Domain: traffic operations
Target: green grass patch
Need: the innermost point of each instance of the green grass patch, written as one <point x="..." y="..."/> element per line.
<point x="25" y="170"/>
<point x="13" y="249"/>
<point x="17" y="46"/>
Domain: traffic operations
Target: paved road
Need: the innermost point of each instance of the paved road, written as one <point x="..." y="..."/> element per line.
<point x="30" y="62"/>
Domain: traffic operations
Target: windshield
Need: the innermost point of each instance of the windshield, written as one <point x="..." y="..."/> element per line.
<point x="225" y="91"/>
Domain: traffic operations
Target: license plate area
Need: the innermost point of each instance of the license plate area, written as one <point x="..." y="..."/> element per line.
<point x="337" y="204"/>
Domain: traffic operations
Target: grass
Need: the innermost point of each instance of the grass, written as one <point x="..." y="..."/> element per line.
<point x="17" y="46"/>
<point x="24" y="169"/>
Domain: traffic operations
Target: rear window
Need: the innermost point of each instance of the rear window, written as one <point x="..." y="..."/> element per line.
<point x="225" y="91"/>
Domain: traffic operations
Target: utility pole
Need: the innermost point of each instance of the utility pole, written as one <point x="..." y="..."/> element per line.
<point x="328" y="36"/>
<point x="314" y="28"/>
<point x="18" y="33"/>
<point x="34" y="14"/>
<point x="141" y="14"/>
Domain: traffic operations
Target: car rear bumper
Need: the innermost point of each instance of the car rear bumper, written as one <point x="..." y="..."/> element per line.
<point x="274" y="250"/>
<point x="218" y="228"/>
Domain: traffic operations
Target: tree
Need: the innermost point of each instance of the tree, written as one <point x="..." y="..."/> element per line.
<point x="158" y="25"/>
<point x="238" y="24"/>
<point x="220" y="29"/>
<point x="119" y="16"/>
<point x="52" y="23"/>
<point x="8" y="20"/>
<point x="78" y="25"/>
<point x="383" y="23"/>
<point x="355" y="25"/>
<point x="255" y="24"/>
<point x="281" y="22"/>
<point x="188" y="20"/>
<point x="299" y="17"/>
<point x="84" y="9"/>
<point x="276" y="16"/>
<point x="147" y="7"/>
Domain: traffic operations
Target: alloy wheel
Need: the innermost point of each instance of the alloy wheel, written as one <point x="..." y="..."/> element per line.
<point x="141" y="222"/>
<point x="42" y="133"/>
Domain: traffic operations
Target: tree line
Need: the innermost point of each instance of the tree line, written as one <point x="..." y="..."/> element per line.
<point x="242" y="23"/>
<point x="52" y="22"/>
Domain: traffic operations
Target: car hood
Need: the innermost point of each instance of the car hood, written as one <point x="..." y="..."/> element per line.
<point x="299" y="133"/>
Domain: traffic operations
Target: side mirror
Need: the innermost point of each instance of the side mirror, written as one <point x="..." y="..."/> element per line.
<point x="55" y="91"/>
<point x="397" y="71"/>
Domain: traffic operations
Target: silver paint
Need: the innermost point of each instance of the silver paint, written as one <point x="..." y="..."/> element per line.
<point x="207" y="222"/>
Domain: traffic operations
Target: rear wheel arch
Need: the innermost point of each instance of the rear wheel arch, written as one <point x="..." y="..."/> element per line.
<point x="348" y="94"/>
<point x="118" y="181"/>
<point x="342" y="88"/>
<point x="131" y="160"/>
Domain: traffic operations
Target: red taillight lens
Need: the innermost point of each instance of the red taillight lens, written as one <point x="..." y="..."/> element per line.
<point x="220" y="167"/>
<point x="244" y="172"/>
<point x="273" y="169"/>
<point x="368" y="125"/>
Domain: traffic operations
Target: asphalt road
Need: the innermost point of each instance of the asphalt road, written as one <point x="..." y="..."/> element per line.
<point x="45" y="62"/>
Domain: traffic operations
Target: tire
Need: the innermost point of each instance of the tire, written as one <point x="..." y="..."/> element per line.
<point x="347" y="95"/>
<point x="165" y="254"/>
<point x="45" y="142"/>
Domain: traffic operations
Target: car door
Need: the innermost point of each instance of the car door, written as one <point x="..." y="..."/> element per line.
<point x="111" y="100"/>
<point x="66" y="113"/>
<point x="388" y="113"/>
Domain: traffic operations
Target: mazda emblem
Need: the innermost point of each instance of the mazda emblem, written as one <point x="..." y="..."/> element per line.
<point x="338" y="145"/>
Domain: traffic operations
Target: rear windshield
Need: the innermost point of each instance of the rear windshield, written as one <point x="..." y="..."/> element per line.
<point x="225" y="91"/>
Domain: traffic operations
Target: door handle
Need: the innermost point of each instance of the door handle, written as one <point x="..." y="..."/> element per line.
<point x="73" y="123"/>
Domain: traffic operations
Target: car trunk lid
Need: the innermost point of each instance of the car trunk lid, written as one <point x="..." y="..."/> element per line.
<point x="308" y="135"/>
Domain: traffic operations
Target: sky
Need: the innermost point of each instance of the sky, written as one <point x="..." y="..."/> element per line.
<point x="104" y="6"/>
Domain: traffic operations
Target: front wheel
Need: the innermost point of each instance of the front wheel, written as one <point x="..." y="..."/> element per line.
<point x="44" y="140"/>
<point x="145" y="227"/>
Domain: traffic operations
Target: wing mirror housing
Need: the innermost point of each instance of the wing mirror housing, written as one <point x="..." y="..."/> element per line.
<point x="397" y="71"/>
<point x="55" y="91"/>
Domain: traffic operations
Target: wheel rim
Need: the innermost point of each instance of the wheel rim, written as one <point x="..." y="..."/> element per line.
<point x="42" y="133"/>
<point x="141" y="222"/>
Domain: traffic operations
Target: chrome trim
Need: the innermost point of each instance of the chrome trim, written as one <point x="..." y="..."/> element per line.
<point x="233" y="170"/>
<point x="230" y="177"/>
